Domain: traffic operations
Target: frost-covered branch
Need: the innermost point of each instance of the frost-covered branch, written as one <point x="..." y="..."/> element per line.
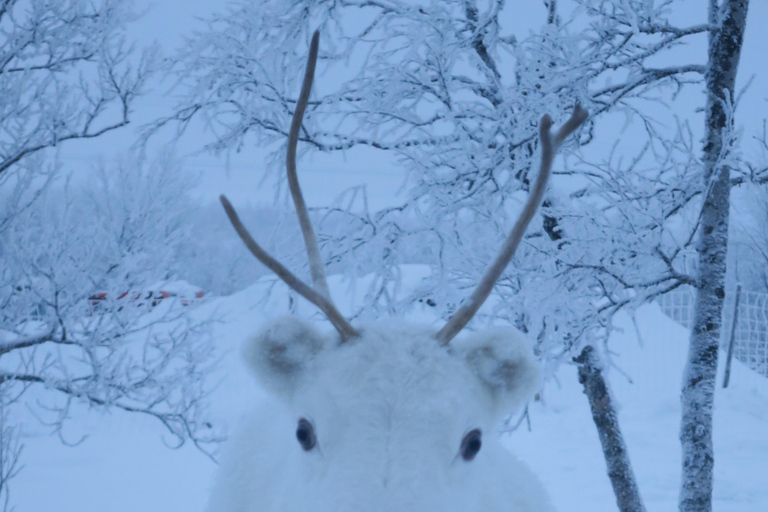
<point x="456" y="98"/>
<point x="65" y="73"/>
<point x="27" y="341"/>
<point x="91" y="314"/>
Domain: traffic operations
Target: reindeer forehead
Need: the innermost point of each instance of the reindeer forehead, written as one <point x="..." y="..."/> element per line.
<point x="398" y="367"/>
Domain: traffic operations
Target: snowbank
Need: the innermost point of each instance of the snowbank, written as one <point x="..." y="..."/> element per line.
<point x="123" y="465"/>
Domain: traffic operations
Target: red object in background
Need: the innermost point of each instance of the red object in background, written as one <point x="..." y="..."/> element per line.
<point x="151" y="297"/>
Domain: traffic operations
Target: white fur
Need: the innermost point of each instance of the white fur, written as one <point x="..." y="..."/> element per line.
<point x="389" y="410"/>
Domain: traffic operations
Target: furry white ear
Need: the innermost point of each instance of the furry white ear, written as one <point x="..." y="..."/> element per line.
<point x="280" y="354"/>
<point x="503" y="361"/>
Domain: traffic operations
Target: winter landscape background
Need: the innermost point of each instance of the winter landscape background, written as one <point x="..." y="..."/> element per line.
<point x="122" y="461"/>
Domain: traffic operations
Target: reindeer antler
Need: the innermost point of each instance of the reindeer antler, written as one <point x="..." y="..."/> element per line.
<point x="550" y="143"/>
<point x="313" y="252"/>
<point x="318" y="294"/>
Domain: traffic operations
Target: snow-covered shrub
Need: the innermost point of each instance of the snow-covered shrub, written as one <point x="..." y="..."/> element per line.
<point x="70" y="331"/>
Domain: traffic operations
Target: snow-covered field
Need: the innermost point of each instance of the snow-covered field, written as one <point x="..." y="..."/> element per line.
<point x="123" y="465"/>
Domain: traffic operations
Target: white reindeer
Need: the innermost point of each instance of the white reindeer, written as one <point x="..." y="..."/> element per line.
<point x="386" y="417"/>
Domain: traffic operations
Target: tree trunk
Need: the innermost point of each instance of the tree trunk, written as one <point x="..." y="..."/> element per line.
<point x="604" y="415"/>
<point x="701" y="368"/>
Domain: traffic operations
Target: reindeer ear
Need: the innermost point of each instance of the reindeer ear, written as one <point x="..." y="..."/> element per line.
<point x="280" y="354"/>
<point x="503" y="361"/>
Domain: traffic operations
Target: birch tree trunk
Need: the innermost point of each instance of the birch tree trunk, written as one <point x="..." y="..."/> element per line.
<point x="729" y="20"/>
<point x="604" y="415"/>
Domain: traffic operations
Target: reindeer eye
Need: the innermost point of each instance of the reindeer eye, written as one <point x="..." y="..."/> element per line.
<point x="471" y="444"/>
<point x="305" y="433"/>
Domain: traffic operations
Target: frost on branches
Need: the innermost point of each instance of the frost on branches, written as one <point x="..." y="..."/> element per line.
<point x="455" y="96"/>
<point x="75" y="261"/>
<point x="66" y="72"/>
<point x="81" y="316"/>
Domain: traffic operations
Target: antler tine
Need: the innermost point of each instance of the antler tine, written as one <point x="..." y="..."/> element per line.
<point x="318" y="294"/>
<point x="310" y="241"/>
<point x="321" y="301"/>
<point x="550" y="143"/>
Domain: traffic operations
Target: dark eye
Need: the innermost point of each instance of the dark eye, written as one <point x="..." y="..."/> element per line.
<point x="471" y="444"/>
<point x="305" y="433"/>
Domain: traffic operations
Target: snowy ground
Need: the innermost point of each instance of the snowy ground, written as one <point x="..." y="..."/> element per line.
<point x="124" y="466"/>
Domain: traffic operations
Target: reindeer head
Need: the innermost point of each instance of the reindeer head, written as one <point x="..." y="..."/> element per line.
<point x="390" y="420"/>
<point x="388" y="417"/>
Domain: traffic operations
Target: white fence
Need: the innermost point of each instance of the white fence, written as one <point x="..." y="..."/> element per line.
<point x="751" y="339"/>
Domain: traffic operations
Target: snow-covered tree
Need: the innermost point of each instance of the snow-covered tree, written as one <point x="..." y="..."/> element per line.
<point x="83" y="316"/>
<point x="729" y="19"/>
<point x="69" y="249"/>
<point x="447" y="89"/>
<point x="66" y="72"/>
